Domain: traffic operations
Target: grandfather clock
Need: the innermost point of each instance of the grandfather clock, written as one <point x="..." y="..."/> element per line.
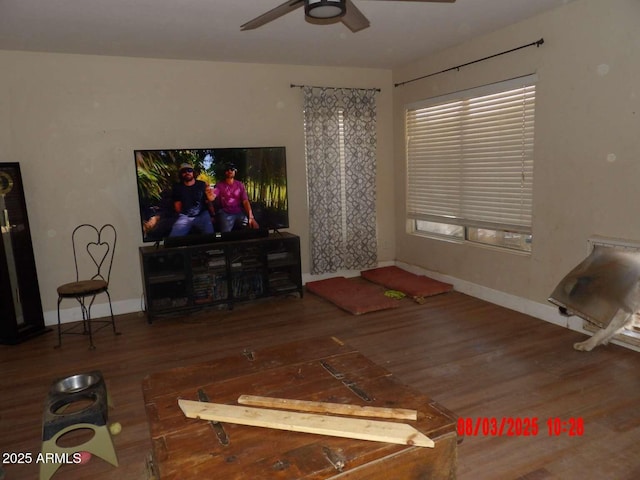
<point x="20" y="305"/>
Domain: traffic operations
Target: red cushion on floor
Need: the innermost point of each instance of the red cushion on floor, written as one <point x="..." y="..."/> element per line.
<point x="353" y="295"/>
<point x="409" y="283"/>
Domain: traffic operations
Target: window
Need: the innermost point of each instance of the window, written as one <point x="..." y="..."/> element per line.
<point x="470" y="165"/>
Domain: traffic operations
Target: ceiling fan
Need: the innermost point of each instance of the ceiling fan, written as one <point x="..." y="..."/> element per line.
<point x="322" y="12"/>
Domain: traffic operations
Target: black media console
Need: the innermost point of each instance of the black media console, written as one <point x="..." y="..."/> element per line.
<point x="178" y="279"/>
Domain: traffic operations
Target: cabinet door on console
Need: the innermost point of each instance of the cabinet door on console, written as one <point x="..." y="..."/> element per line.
<point x="246" y="266"/>
<point x="209" y="279"/>
<point x="166" y="282"/>
<point x="283" y="266"/>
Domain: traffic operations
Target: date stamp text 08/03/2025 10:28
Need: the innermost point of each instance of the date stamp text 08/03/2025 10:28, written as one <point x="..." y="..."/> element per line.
<point x="520" y="426"/>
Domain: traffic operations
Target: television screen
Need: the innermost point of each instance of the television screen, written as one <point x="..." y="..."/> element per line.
<point x="261" y="170"/>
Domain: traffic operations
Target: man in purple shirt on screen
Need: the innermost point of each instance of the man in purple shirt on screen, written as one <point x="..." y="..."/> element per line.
<point x="235" y="208"/>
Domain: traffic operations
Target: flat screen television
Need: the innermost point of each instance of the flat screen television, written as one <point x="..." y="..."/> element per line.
<point x="262" y="170"/>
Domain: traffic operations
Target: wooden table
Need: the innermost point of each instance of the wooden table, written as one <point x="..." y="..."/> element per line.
<point x="319" y="369"/>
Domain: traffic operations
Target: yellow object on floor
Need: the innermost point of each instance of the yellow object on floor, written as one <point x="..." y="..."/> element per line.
<point x="394" y="294"/>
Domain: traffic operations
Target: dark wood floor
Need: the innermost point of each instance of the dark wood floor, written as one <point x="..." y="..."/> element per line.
<point x="477" y="359"/>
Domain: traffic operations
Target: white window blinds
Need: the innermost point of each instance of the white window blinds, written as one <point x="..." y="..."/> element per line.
<point x="470" y="157"/>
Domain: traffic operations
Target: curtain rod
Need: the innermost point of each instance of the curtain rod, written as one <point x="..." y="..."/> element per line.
<point x="293" y="85"/>
<point x="458" y="67"/>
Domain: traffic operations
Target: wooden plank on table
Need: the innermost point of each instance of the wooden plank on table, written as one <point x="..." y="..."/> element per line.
<point x="361" y="429"/>
<point x="331" y="408"/>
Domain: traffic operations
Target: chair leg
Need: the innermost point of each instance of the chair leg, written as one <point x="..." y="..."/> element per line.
<point x="91" y="345"/>
<point x="113" y="320"/>
<point x="85" y="314"/>
<point x="59" y="326"/>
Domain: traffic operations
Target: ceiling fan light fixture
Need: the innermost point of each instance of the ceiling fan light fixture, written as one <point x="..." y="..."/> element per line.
<point x="325" y="9"/>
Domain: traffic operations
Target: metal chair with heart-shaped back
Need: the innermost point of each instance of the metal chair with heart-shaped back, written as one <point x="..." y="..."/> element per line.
<point x="93" y="251"/>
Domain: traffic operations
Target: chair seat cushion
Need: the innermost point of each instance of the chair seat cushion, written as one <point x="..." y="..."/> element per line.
<point x="82" y="288"/>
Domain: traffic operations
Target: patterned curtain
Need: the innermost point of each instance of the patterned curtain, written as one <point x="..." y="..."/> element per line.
<point x="340" y="131"/>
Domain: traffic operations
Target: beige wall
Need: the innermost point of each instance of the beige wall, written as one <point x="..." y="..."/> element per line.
<point x="587" y="141"/>
<point x="73" y="121"/>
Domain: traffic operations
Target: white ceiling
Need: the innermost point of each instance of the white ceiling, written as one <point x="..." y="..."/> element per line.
<point x="400" y="31"/>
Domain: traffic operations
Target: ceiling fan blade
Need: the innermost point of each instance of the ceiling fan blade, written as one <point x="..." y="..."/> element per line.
<point x="279" y="11"/>
<point x="354" y="19"/>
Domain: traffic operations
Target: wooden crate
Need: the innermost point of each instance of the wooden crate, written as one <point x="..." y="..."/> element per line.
<point x="185" y="448"/>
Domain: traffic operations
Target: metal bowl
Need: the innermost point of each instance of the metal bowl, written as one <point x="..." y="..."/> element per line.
<point x="76" y="383"/>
